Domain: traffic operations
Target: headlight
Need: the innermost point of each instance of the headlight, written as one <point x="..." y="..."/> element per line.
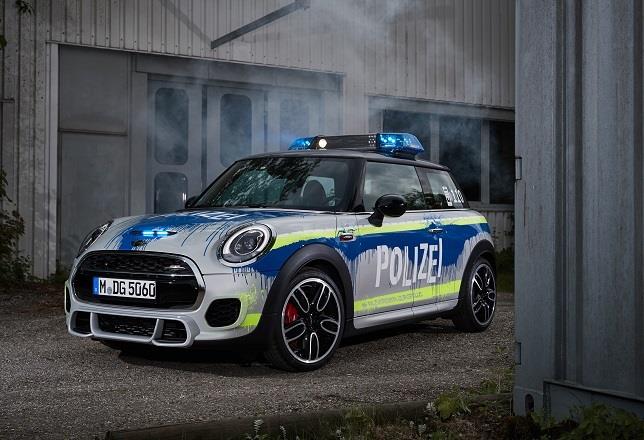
<point x="245" y="244"/>
<point x="92" y="237"/>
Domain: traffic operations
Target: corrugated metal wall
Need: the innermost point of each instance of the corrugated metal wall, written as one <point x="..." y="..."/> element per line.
<point x="456" y="50"/>
<point x="451" y="50"/>
<point x="580" y="206"/>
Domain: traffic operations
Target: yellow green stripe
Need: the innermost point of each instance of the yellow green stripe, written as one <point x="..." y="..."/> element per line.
<point x="437" y="291"/>
<point x="469" y="220"/>
<point x="407" y="297"/>
<point x="294" y="237"/>
<point x="251" y="320"/>
<point x="392" y="227"/>
<point x="383" y="301"/>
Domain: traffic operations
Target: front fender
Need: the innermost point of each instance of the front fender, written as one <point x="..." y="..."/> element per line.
<point x="318" y="255"/>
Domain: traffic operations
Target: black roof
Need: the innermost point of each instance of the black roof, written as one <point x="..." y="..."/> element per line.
<point x="351" y="154"/>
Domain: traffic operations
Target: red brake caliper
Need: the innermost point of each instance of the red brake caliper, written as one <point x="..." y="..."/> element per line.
<point x="291" y="314"/>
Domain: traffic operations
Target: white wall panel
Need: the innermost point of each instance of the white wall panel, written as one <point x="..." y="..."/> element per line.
<point x="501" y="223"/>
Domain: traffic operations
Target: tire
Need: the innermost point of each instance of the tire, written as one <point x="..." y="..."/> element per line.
<point x="309" y="325"/>
<point x="477" y="302"/>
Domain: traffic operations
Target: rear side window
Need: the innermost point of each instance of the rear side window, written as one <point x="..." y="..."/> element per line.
<point x="390" y="178"/>
<point x="440" y="190"/>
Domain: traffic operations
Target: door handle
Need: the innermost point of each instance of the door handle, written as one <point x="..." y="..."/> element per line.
<point x="346" y="234"/>
<point x="435" y="230"/>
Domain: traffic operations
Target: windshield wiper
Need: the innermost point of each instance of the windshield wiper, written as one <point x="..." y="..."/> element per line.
<point x="254" y="205"/>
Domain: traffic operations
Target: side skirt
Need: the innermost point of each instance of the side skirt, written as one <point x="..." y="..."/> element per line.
<point x="403" y="315"/>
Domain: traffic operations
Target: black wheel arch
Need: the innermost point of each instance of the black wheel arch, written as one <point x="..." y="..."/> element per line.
<point x="484" y="249"/>
<point x="315" y="255"/>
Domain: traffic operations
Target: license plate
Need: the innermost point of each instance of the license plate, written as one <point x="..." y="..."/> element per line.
<point x="125" y="288"/>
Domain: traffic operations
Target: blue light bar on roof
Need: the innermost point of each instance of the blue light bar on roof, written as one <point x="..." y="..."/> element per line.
<point x="398" y="144"/>
<point x="302" y="144"/>
<point x="389" y="144"/>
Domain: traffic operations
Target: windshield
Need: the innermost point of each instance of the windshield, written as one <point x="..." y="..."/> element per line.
<point x="318" y="184"/>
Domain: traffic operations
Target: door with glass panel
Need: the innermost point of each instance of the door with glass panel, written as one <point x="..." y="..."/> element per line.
<point x="293" y="114"/>
<point x="174" y="165"/>
<point x="235" y="126"/>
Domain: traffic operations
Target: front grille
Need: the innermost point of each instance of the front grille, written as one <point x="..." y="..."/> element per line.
<point x="125" y="262"/>
<point x="126" y="325"/>
<point x="176" y="284"/>
<point x="223" y="312"/>
<point x="173" y="331"/>
<point x="81" y="323"/>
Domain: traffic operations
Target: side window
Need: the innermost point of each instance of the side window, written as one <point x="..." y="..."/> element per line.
<point x="390" y="178"/>
<point x="440" y="190"/>
<point x="327" y="183"/>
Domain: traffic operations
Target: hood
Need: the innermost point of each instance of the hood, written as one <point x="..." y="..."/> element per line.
<point x="198" y="234"/>
<point x="194" y="231"/>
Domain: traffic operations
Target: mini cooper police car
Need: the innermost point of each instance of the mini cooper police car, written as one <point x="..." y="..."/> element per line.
<point x="289" y="252"/>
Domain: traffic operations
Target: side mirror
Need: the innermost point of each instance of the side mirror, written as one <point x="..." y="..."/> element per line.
<point x="390" y="205"/>
<point x="190" y="202"/>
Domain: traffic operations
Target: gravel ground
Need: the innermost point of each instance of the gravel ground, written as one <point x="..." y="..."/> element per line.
<point x="55" y="385"/>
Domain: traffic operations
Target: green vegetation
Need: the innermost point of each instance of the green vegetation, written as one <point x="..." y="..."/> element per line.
<point x="24" y="8"/>
<point x="596" y="421"/>
<point x="460" y="413"/>
<point x="59" y="277"/>
<point x="601" y="421"/>
<point x="14" y="268"/>
<point x="505" y="270"/>
<point x="481" y="412"/>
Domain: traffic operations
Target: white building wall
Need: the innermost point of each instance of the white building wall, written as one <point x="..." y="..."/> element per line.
<point x="443" y="50"/>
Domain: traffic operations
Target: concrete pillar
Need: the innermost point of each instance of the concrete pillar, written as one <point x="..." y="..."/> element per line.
<point x="579" y="205"/>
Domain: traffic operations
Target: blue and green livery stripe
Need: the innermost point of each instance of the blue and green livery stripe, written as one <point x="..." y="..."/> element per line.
<point x="295" y="237"/>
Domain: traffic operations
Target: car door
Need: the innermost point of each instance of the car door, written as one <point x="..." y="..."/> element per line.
<point x="387" y="267"/>
<point x="451" y="226"/>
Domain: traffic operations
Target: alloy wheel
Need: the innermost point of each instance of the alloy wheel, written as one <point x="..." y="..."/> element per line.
<point x="311" y="320"/>
<point x="483" y="291"/>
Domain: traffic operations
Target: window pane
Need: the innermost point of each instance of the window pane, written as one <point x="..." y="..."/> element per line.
<point x="460" y="150"/>
<point x="386" y="178"/>
<point x="170" y="192"/>
<point x="442" y="192"/>
<point x="236" y="128"/>
<point x="171" y="126"/>
<point x="501" y="162"/>
<point x="294" y="121"/>
<point x="409" y="122"/>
